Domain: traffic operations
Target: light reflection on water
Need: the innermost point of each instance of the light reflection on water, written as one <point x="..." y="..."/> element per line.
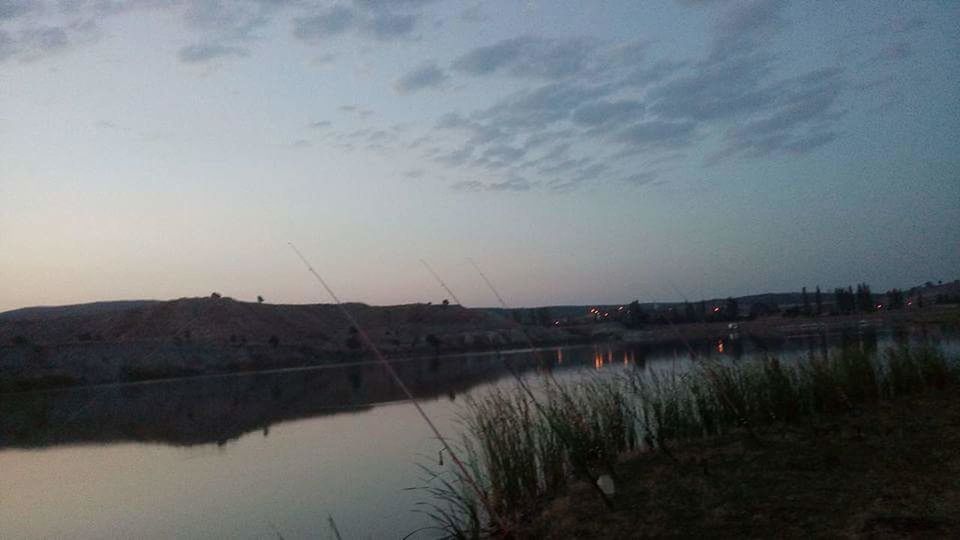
<point x="253" y="455"/>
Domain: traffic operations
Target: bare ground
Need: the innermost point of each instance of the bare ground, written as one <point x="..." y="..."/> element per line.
<point x="891" y="472"/>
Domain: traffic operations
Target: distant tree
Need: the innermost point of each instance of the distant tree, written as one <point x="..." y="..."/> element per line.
<point x="806" y="301"/>
<point x="730" y="309"/>
<point x="844" y="300"/>
<point x="259" y="299"/>
<point x="215" y="295"/>
<point x="446" y="302"/>
<point x="920" y="301"/>
<point x="894" y="299"/>
<point x="818" y="300"/>
<point x="636" y="317"/>
<point x="865" y="298"/>
<point x="688" y="313"/>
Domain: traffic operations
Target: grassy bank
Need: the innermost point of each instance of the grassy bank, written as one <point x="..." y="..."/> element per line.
<point x="527" y="451"/>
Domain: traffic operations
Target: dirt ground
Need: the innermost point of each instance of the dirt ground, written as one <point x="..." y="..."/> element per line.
<point x="890" y="472"/>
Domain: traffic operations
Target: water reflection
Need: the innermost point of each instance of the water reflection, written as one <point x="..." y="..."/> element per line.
<point x="220" y="409"/>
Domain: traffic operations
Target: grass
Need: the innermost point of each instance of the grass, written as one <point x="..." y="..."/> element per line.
<point x="526" y="452"/>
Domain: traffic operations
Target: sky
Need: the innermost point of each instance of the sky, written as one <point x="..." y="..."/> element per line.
<point x="579" y="152"/>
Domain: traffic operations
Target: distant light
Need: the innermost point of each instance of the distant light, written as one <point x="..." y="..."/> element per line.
<point x="716" y="310"/>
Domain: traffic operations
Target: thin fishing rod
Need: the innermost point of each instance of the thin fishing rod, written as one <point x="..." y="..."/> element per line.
<point x="442" y="284"/>
<point x="549" y="378"/>
<point x="403" y="387"/>
<point x="490" y="285"/>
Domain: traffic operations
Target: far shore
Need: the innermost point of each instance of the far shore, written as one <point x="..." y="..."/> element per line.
<point x="28" y="365"/>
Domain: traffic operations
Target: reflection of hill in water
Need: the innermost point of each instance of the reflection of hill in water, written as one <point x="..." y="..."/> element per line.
<point x="217" y="409"/>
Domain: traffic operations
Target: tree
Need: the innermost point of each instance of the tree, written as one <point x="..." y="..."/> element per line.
<point x="215" y="295"/>
<point x="844" y="300"/>
<point x="259" y="299"/>
<point x="894" y="299"/>
<point x="806" y="301"/>
<point x="818" y="300"/>
<point x="635" y="315"/>
<point x="446" y="302"/>
<point x="730" y="309"/>
<point x="864" y="298"/>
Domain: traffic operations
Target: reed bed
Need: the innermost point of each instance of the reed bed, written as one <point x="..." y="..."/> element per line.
<point x="523" y="450"/>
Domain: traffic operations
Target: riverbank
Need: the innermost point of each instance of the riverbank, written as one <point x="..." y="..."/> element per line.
<point x="891" y="471"/>
<point x="211" y="336"/>
<point x="725" y="441"/>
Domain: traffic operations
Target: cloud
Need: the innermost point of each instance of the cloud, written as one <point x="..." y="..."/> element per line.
<point x="603" y="112"/>
<point x="541" y="106"/>
<point x="330" y="22"/>
<point x="48" y="39"/>
<point x="473" y="14"/>
<point x="606" y="111"/>
<point x="11" y="9"/>
<point x="374" y="19"/>
<point x="902" y="25"/>
<point x="376" y="5"/>
<point x="527" y="56"/>
<point x="640" y="179"/>
<point x="745" y="26"/>
<point x="205" y="52"/>
<point x="798" y="120"/>
<point x="510" y="184"/>
<point x="658" y="133"/>
<point x="426" y="76"/>
<point x="361" y="112"/>
<point x="390" y="26"/>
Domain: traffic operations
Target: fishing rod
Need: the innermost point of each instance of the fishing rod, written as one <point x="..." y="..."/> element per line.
<point x="442" y="284"/>
<point x="526" y="388"/>
<point x="365" y="338"/>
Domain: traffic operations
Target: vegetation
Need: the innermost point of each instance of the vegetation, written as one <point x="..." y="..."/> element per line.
<point x="525" y="451"/>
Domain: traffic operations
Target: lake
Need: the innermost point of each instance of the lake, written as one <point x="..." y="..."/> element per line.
<point x="261" y="454"/>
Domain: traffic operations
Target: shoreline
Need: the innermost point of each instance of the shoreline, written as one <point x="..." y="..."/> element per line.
<point x="31" y="367"/>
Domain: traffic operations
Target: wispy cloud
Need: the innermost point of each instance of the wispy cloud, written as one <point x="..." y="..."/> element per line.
<point x="328" y="22"/>
<point x="527" y="56"/>
<point x="205" y="52"/>
<point x="426" y="76"/>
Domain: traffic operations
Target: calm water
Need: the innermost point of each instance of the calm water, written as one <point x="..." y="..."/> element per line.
<point x="250" y="456"/>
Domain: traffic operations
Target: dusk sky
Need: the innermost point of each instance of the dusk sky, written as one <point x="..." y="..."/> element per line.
<point x="580" y="152"/>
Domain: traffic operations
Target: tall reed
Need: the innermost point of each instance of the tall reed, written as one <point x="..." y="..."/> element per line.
<point x="522" y="454"/>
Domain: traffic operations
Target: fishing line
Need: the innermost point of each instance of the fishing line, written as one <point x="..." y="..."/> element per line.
<point x="403" y="387"/>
